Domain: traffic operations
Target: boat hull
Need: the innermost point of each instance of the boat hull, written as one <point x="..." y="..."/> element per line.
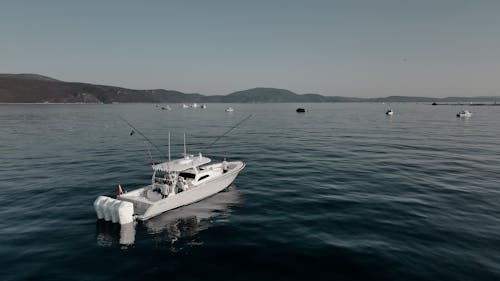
<point x="146" y="211"/>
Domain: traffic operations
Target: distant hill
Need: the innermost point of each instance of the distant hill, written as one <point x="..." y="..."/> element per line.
<point x="28" y="76"/>
<point x="29" y="88"/>
<point x="34" y="88"/>
<point x="261" y="95"/>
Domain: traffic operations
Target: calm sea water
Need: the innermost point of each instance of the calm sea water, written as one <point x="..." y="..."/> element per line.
<point x="342" y="192"/>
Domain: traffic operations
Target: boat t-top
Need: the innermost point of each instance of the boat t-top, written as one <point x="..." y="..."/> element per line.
<point x="174" y="183"/>
<point x="464" y="113"/>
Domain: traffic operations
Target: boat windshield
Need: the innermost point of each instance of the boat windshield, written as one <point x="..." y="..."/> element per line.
<point x="187" y="175"/>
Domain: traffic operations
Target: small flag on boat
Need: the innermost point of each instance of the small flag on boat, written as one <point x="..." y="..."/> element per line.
<point x="119" y="191"/>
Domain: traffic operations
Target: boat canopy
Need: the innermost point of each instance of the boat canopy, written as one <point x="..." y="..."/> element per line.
<point x="179" y="165"/>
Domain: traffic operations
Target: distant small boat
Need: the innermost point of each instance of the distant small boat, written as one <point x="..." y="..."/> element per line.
<point x="166" y="107"/>
<point x="389" y="112"/>
<point x="301" y="110"/>
<point x="185" y="106"/>
<point x="229" y="109"/>
<point x="203" y="106"/>
<point x="194" y="105"/>
<point x="434" y="103"/>
<point x="464" y="113"/>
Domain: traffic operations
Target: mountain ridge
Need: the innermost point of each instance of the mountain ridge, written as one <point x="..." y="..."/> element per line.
<point x="35" y="88"/>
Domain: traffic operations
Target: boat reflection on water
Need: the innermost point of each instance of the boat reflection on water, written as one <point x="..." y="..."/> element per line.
<point x="111" y="233"/>
<point x="173" y="225"/>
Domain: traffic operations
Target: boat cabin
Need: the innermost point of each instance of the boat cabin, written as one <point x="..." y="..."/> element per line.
<point x="170" y="178"/>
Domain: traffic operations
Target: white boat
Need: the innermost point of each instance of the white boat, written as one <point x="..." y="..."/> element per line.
<point x="389" y="112"/>
<point x="464" y="113"/>
<point x="185" y="106"/>
<point x="194" y="105"/>
<point x="175" y="224"/>
<point x="203" y="106"/>
<point x="229" y="109"/>
<point x="174" y="184"/>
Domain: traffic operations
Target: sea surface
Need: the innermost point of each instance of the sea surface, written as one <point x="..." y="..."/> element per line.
<point x="342" y="192"/>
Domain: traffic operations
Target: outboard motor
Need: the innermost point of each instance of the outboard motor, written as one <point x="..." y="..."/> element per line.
<point x="114" y="210"/>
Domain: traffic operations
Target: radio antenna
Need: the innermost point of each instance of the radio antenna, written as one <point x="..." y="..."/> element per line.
<point x="185" y="153"/>
<point x="168" y="146"/>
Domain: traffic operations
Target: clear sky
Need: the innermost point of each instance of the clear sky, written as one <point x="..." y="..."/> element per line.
<point x="349" y="48"/>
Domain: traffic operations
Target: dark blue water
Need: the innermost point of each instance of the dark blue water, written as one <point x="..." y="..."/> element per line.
<point x="342" y="192"/>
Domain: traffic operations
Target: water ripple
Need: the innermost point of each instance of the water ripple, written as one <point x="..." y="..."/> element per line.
<point x="341" y="192"/>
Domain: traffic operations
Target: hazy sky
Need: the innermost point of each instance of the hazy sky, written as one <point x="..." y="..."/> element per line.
<point x="348" y="48"/>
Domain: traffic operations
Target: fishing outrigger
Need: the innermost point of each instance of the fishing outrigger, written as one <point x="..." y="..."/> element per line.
<point x="174" y="183"/>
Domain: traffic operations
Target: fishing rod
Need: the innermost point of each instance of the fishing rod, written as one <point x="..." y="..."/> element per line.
<point x="228" y="131"/>
<point x="149" y="154"/>
<point x="144" y="136"/>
